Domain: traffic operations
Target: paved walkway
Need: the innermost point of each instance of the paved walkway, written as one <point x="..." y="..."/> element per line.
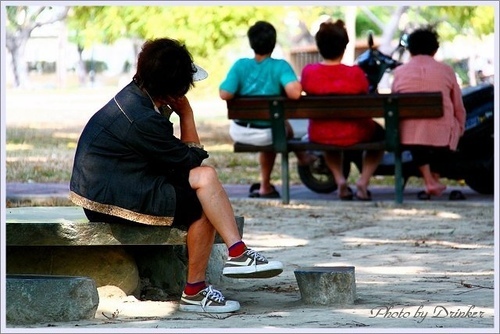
<point x="26" y="191"/>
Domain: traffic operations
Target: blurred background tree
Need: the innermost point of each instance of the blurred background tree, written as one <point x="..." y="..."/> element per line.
<point x="216" y="35"/>
<point x="20" y="23"/>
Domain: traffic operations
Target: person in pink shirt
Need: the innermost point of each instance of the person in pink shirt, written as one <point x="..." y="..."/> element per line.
<point x="430" y="141"/>
<point x="329" y="77"/>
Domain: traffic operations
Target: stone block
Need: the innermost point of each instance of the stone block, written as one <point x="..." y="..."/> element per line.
<point x="45" y="299"/>
<point x="326" y="285"/>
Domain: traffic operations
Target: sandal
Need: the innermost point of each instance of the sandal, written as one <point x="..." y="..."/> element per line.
<point x="347" y="197"/>
<point x="253" y="187"/>
<point x="456" y="195"/>
<point x="423" y="196"/>
<point x="366" y="199"/>
<point x="272" y="194"/>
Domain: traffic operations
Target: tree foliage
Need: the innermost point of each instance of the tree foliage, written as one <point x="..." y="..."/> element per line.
<point x="204" y="29"/>
<point x="451" y="21"/>
<point x="209" y="30"/>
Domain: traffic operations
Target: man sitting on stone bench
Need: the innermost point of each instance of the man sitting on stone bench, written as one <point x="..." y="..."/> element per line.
<point x="130" y="168"/>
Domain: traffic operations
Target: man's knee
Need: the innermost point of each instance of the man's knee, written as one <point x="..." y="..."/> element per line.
<point x="202" y="175"/>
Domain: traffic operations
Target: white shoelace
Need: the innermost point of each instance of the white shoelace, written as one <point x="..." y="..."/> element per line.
<point x="255" y="255"/>
<point x="212" y="295"/>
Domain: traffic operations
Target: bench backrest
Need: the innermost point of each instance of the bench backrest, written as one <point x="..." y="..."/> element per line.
<point x="390" y="106"/>
<point x="337" y="106"/>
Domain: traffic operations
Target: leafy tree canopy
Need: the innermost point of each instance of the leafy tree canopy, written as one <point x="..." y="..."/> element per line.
<point x="206" y="29"/>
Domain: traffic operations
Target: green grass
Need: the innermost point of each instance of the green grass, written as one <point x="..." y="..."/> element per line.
<point x="44" y="125"/>
<point x="39" y="155"/>
<point x="46" y="155"/>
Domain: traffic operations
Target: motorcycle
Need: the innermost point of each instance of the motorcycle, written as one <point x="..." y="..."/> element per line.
<point x="472" y="162"/>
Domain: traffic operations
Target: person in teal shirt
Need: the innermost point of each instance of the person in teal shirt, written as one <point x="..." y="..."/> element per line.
<point x="261" y="75"/>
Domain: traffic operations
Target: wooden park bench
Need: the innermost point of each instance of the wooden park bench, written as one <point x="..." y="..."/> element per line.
<point x="391" y="107"/>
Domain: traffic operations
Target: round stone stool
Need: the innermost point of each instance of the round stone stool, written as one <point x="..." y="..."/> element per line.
<point x="49" y="298"/>
<point x="326" y="285"/>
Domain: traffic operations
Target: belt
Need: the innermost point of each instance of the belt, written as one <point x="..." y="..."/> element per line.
<point x="251" y="125"/>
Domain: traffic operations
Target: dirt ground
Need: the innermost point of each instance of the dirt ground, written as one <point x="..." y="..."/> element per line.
<point x="422" y="266"/>
<point x="418" y="266"/>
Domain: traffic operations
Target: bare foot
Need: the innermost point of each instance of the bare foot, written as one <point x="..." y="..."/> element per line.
<point x="435" y="190"/>
<point x="344" y="192"/>
<point x="362" y="193"/>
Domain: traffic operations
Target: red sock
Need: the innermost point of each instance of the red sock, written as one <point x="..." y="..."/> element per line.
<point x="194" y="288"/>
<point x="237" y="249"/>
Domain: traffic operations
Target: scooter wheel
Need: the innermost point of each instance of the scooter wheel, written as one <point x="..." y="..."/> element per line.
<point x="318" y="177"/>
<point x="318" y="181"/>
<point x="482" y="180"/>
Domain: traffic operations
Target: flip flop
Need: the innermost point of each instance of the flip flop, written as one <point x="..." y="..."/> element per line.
<point x="456" y="195"/>
<point x="423" y="196"/>
<point x="366" y="199"/>
<point x="253" y="187"/>
<point x="347" y="197"/>
<point x="272" y="194"/>
<point x="256" y="194"/>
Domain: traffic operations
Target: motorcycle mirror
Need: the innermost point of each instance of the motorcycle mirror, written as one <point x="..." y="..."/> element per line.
<point x="403" y="40"/>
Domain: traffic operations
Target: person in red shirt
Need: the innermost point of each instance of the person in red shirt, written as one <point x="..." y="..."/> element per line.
<point x="329" y="77"/>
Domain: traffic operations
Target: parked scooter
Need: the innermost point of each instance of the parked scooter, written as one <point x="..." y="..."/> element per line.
<point x="473" y="162"/>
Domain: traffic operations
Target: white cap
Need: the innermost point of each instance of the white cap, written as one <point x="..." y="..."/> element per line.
<point x="200" y="73"/>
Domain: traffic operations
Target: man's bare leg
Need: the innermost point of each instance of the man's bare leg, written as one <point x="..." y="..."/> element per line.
<point x="200" y="239"/>
<point x="217" y="208"/>
<point x="334" y="162"/>
<point x="266" y="161"/>
<point x="371" y="159"/>
<point x="432" y="185"/>
<point x="218" y="212"/>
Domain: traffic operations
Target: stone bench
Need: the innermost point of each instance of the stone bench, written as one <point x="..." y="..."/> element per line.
<point x="135" y="258"/>
<point x="49" y="298"/>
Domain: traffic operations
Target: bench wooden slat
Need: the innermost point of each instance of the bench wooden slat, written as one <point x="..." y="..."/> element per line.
<point x="299" y="145"/>
<point x="344" y="106"/>
<point x="242" y="148"/>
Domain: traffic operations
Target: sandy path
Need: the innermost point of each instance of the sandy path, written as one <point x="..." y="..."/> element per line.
<point x="419" y="265"/>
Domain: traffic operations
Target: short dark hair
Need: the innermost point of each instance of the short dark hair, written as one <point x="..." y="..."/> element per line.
<point x="423" y="41"/>
<point x="332" y="39"/>
<point x="262" y="37"/>
<point x="165" y="68"/>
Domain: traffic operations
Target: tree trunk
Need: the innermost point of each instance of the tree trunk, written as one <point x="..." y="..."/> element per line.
<point x="390" y="29"/>
<point x="16" y="47"/>
<point x="386" y="46"/>
<point x="80" y="67"/>
<point x="350" y="21"/>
